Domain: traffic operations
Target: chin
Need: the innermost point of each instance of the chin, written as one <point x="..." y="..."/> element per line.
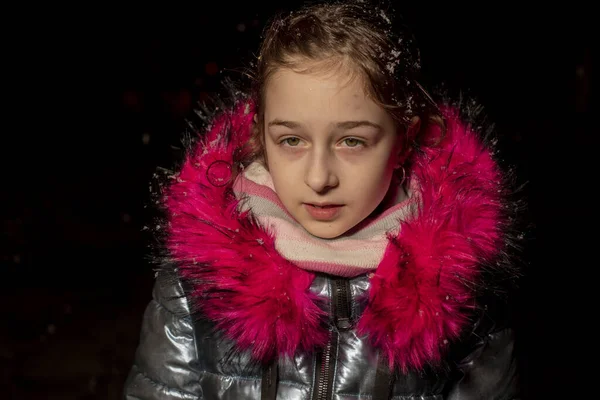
<point x="325" y="232"/>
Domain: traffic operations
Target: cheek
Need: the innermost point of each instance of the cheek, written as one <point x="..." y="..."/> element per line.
<point x="273" y="161"/>
<point x="378" y="168"/>
<point x="371" y="182"/>
<point x="284" y="177"/>
<point x="380" y="181"/>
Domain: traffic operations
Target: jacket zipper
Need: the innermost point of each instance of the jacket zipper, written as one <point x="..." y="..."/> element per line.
<point x="325" y="365"/>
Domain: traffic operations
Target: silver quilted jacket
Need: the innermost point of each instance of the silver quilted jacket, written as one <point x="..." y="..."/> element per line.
<point x="182" y="358"/>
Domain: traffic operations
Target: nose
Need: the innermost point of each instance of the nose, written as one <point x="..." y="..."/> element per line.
<point x="320" y="173"/>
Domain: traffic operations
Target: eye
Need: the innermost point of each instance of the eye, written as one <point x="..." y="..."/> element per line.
<point x="353" y="142"/>
<point x="291" y="141"/>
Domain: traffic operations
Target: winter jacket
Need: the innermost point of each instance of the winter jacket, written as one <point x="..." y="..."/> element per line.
<point x="232" y="319"/>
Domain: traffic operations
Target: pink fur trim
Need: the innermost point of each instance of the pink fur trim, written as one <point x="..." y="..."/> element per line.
<point x="420" y="291"/>
<point x="253" y="294"/>
<point x="262" y="302"/>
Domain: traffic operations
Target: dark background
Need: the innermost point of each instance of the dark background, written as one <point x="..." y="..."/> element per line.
<point x="98" y="100"/>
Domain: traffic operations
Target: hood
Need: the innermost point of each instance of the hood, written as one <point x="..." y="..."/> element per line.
<point x="423" y="291"/>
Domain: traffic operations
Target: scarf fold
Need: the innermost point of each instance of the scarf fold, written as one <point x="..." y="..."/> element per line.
<point x="356" y="252"/>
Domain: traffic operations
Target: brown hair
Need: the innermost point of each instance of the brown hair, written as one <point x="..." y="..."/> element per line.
<point x="351" y="34"/>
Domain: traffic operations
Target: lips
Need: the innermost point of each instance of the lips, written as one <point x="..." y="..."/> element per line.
<point x="323" y="211"/>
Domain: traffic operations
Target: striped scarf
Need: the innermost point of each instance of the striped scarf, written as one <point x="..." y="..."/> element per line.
<point x="356" y="252"/>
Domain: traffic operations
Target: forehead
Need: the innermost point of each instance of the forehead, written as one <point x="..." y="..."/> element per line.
<point x="319" y="96"/>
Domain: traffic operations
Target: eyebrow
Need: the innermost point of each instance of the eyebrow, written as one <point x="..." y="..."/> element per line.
<point x="341" y="125"/>
<point x="356" y="124"/>
<point x="287" y="124"/>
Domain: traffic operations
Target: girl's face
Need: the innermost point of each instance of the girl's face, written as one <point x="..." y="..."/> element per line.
<point x="331" y="150"/>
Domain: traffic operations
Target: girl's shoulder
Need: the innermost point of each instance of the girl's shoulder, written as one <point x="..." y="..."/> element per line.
<point x="169" y="292"/>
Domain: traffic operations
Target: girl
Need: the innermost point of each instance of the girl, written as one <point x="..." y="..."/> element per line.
<point x="334" y="235"/>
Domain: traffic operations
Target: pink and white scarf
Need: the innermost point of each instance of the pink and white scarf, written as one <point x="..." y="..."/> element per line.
<point x="356" y="252"/>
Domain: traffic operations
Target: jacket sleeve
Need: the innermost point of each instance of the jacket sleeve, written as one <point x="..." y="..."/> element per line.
<point x="489" y="371"/>
<point x="487" y="366"/>
<point x="165" y="359"/>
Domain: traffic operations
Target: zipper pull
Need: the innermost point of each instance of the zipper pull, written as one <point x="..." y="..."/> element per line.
<point x="343" y="324"/>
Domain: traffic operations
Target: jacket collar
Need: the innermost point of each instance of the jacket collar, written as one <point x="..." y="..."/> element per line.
<point x="422" y="292"/>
